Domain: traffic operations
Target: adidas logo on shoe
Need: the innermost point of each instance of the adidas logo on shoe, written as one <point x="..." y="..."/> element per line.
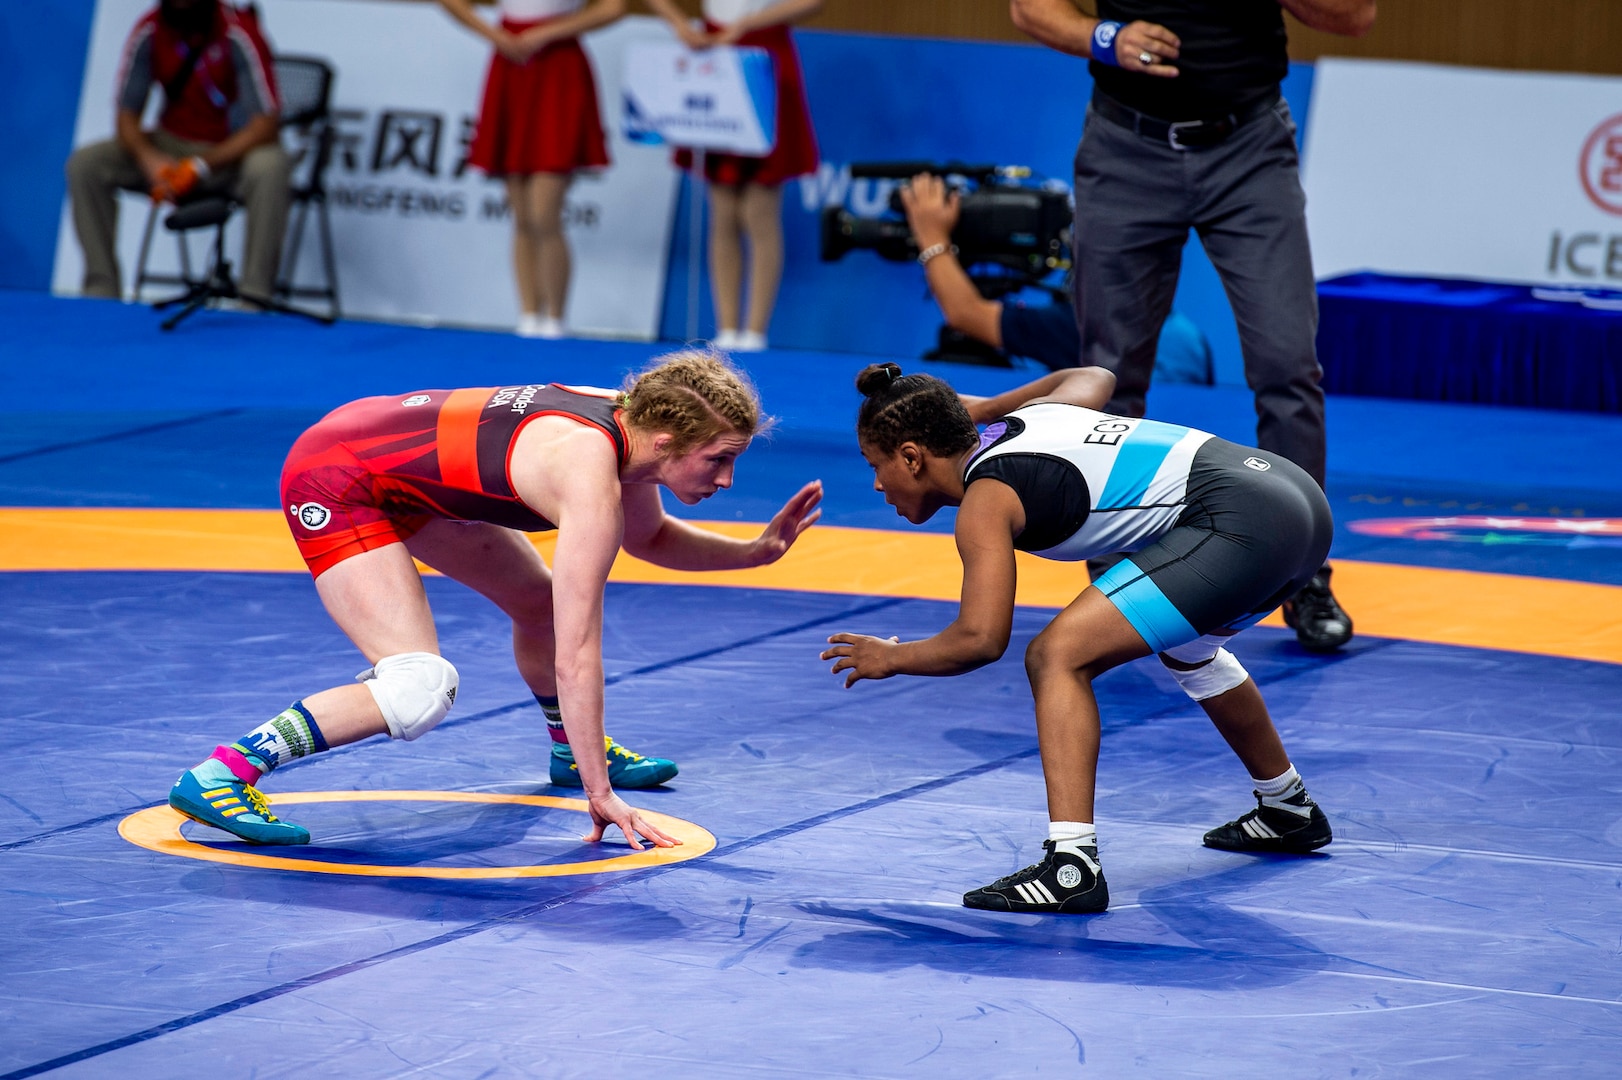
<point x="1293" y="827"/>
<point x="1068" y="881"/>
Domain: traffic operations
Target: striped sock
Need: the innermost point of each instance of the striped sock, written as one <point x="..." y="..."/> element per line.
<point x="290" y="734"/>
<point x="554" y="719"/>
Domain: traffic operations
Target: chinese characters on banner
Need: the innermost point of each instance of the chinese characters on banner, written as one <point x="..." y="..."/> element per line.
<point x="419" y="235"/>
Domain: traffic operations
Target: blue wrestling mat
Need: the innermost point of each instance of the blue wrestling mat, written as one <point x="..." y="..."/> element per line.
<point x="1463" y="923"/>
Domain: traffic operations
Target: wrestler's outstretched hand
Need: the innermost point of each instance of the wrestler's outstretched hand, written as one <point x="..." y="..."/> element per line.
<point x="797" y="515"/>
<point x="865" y="657"/>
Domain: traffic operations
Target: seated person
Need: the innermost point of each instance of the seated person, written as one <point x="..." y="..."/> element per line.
<point x="1045" y="333"/>
<point x="217" y="133"/>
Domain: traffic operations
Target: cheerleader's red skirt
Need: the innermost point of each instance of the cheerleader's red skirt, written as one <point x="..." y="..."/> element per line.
<point x="795" y="152"/>
<point x="540" y="116"/>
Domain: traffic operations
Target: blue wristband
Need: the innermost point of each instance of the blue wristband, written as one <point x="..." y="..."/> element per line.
<point x="1104" y="43"/>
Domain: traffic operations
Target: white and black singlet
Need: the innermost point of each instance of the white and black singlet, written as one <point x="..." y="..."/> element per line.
<point x="1218" y="534"/>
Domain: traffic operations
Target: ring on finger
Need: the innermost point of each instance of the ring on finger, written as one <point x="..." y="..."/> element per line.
<point x="1147" y="58"/>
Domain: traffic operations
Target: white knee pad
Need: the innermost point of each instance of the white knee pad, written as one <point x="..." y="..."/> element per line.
<point x="1219" y="670"/>
<point x="1199" y="650"/>
<point x="415" y="690"/>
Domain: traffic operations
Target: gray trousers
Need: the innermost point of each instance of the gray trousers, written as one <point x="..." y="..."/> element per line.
<point x="1136" y="199"/>
<point x="98" y="171"/>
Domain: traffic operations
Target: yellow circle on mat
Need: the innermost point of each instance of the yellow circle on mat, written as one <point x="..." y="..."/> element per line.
<point x="157" y="828"/>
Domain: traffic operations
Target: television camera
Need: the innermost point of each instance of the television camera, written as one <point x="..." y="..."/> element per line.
<point x="1009" y="235"/>
<point x="1019" y="230"/>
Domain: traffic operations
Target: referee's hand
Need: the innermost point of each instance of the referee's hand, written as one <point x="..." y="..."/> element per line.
<point x="1148" y="48"/>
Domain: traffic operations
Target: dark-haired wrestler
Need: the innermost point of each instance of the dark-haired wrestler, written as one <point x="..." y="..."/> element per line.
<point x="454" y="478"/>
<point x="1217" y="536"/>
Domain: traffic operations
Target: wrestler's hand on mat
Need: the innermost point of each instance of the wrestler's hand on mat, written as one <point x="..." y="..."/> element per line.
<point x="864" y="657"/>
<point x="610" y="809"/>
<point x="797" y="515"/>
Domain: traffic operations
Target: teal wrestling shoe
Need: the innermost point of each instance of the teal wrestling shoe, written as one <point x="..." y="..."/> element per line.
<point x="211" y="794"/>
<point x="626" y="769"/>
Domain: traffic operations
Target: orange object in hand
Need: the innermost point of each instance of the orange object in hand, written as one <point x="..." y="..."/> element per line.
<point x="176" y="179"/>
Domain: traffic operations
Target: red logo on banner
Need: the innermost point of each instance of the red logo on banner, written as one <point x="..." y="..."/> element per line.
<point x="1601" y="165"/>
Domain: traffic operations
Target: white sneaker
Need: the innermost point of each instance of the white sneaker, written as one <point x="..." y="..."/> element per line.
<point x="540" y="326"/>
<point x="749" y="341"/>
<point x="725" y="340"/>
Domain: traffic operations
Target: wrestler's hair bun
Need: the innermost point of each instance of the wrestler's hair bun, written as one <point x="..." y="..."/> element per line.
<point x="876" y="378"/>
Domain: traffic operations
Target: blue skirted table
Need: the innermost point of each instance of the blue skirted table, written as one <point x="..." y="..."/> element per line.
<point x="1552" y="347"/>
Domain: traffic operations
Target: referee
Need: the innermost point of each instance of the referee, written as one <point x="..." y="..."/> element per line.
<point x="1187" y="129"/>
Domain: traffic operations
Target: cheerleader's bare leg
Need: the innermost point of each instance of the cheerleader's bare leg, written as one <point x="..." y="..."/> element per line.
<point x="762" y="217"/>
<point x="726" y="257"/>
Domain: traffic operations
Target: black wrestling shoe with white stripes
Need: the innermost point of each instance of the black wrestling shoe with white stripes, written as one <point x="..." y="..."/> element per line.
<point x="1294" y="828"/>
<point x="1067" y="881"/>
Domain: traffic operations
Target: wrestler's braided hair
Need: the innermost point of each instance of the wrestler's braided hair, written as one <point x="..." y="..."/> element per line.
<point x="693" y="396"/>
<point x="901" y="408"/>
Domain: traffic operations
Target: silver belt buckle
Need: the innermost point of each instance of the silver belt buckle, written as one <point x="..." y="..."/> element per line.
<point x="1171" y="133"/>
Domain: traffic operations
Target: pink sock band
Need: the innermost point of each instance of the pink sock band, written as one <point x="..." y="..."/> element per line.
<point x="237" y="763"/>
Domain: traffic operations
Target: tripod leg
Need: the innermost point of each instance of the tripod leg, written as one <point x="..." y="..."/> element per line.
<point x="197" y="292"/>
<point x="192" y="305"/>
<point x="269" y="304"/>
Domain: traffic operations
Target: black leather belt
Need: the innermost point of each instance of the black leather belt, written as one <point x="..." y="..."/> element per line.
<point x="1184" y="134"/>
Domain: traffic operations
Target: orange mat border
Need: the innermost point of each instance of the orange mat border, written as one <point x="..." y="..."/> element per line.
<point x="157" y="828"/>
<point x="1543" y="616"/>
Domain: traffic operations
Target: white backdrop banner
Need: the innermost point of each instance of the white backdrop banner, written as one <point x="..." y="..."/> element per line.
<point x="420" y="236"/>
<point x="1457" y="172"/>
<point x="716" y="99"/>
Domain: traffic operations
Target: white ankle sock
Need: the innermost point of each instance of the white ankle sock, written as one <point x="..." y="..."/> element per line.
<point x="1079" y="832"/>
<point x="1281" y="788"/>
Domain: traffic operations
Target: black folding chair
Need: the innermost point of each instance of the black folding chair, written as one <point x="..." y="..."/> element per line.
<point x="306" y="86"/>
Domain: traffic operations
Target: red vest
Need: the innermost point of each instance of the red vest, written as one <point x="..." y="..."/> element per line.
<point x="230" y="60"/>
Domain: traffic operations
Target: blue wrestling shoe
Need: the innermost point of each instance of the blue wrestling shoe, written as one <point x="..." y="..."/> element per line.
<point x="626" y="769"/>
<point x="213" y="795"/>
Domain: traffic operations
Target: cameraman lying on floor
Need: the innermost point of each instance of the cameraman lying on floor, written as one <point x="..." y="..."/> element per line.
<point x="1046" y="333"/>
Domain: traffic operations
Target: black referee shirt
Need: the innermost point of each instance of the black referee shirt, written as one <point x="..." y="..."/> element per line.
<point x="1233" y="55"/>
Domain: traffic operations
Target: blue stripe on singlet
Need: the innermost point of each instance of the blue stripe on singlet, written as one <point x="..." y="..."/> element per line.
<point x="1136" y="463"/>
<point x="1155" y="618"/>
